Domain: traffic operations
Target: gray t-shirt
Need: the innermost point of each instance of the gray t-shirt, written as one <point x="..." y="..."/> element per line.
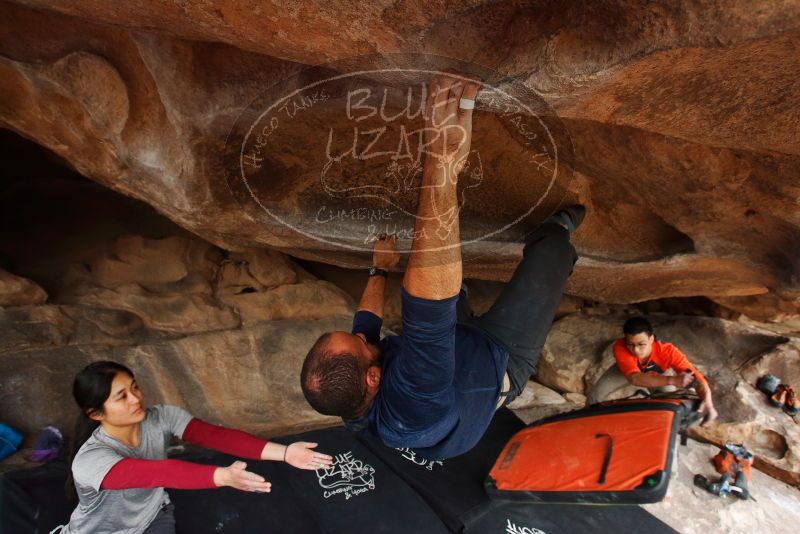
<point x="128" y="511"/>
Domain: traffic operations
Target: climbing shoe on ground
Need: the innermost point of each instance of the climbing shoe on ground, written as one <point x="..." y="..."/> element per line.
<point x="701" y="482"/>
<point x="791" y="404"/>
<point x="778" y="398"/>
<point x="768" y="384"/>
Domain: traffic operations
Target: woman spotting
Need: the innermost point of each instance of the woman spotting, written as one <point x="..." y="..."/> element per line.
<point x="120" y="468"/>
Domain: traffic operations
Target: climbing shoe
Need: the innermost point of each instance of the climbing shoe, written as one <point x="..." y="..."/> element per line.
<point x="701" y="482"/>
<point x="571" y="216"/>
<point x="778" y="398"/>
<point x="768" y="384"/>
<point x="791" y="404"/>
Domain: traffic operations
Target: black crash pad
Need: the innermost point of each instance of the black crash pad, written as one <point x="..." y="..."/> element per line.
<point x="454" y="489"/>
<point x="34" y="500"/>
<point x="370" y="488"/>
<point x="359" y="493"/>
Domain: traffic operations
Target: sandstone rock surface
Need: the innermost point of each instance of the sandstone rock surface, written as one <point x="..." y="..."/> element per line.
<point x="19" y="291"/>
<point x="245" y="378"/>
<point x="174" y="311"/>
<point x="680" y="120"/>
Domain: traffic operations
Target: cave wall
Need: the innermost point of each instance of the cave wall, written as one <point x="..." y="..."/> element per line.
<point x="680" y="121"/>
<point x="87" y="274"/>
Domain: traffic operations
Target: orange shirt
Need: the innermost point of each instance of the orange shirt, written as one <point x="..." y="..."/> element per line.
<point x="663" y="357"/>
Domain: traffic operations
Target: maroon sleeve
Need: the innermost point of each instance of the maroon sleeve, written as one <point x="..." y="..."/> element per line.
<point x="219" y="438"/>
<point x="135" y="473"/>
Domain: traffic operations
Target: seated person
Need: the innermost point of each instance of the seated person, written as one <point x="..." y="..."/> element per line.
<point x="644" y="361"/>
<point x="120" y="468"/>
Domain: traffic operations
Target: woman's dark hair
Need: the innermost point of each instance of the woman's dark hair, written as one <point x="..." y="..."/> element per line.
<point x="637" y="325"/>
<point x="91" y="389"/>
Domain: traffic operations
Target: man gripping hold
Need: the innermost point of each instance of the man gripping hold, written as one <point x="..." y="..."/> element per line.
<point x="435" y="387"/>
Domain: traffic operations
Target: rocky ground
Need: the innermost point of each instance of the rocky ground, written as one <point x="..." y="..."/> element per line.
<point x="689" y="510"/>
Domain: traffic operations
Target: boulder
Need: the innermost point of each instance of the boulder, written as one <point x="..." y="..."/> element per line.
<point x="222" y="334"/>
<point x="578" y="346"/>
<point x="19" y="291"/>
<point x="674" y="126"/>
<point x="573" y="348"/>
<point x="41" y="327"/>
<point x="536" y="394"/>
<point x="166" y="283"/>
<point x="769" y="432"/>
<point x="245" y="378"/>
<point x="312" y="299"/>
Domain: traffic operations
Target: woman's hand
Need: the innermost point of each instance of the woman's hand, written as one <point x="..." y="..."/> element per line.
<point x="235" y="476"/>
<point x="385" y="255"/>
<point x="300" y="455"/>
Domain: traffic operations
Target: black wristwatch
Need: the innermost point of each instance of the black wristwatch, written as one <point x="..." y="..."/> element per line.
<point x="381" y="272"/>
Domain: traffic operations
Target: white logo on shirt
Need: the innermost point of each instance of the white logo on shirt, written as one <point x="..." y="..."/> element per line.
<point x="346" y="476"/>
<point x="408" y="454"/>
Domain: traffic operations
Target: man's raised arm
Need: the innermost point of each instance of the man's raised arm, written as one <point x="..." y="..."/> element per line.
<point x="434" y="266"/>
<point x="384" y="257"/>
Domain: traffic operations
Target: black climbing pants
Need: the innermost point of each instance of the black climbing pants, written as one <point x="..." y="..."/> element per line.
<point x="523" y="313"/>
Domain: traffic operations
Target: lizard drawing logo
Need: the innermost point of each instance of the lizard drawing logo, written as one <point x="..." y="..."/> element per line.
<point x="347" y="476"/>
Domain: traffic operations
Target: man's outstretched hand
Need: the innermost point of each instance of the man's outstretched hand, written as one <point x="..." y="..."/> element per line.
<point x="448" y="128"/>
<point x="683" y="380"/>
<point x="710" y="412"/>
<point x="385" y="255"/>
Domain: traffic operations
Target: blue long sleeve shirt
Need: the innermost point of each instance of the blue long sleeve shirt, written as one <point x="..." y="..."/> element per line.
<point x="440" y="379"/>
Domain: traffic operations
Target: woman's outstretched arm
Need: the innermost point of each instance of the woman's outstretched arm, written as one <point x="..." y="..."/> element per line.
<point x="227" y="440"/>
<point x="244" y="445"/>
<point x="176" y="474"/>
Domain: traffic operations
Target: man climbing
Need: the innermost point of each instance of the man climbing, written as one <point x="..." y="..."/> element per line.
<point x="642" y="360"/>
<point x="435" y="387"/>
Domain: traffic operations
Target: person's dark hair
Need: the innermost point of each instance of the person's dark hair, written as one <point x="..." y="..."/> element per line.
<point x="637" y="325"/>
<point x="91" y="389"/>
<point x="333" y="383"/>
